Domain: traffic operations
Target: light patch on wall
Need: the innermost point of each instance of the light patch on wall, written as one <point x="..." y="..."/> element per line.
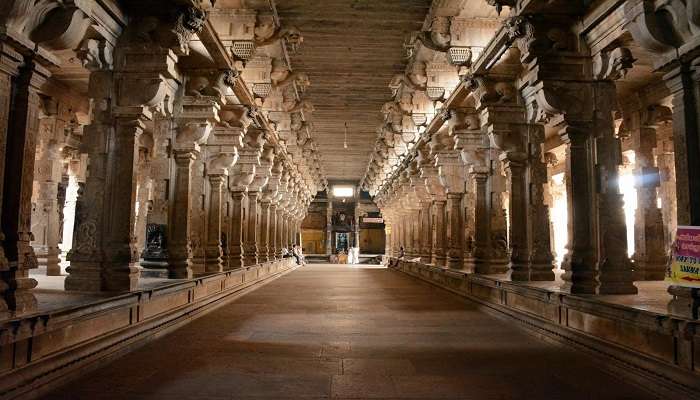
<point x="343" y="191"/>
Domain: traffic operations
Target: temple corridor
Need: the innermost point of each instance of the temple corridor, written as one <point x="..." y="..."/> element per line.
<point x="344" y="331"/>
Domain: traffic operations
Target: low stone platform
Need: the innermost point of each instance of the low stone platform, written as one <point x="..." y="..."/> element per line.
<point x="633" y="333"/>
<point x="73" y="331"/>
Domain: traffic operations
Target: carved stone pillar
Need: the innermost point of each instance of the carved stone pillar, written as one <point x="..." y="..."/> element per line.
<point x="426" y="232"/>
<point x="238" y="199"/>
<point x="250" y="246"/>
<point x="19" y="147"/>
<point x="46" y="223"/>
<point x="193" y="128"/>
<point x="214" y="251"/>
<point x="329" y="227"/>
<point x="439" y="241"/>
<point x="280" y="231"/>
<point x="482" y="222"/>
<point x="578" y="264"/>
<point x="143" y="189"/>
<point x="515" y="166"/>
<point x="155" y="254"/>
<point x="616" y="275"/>
<point x="539" y="237"/>
<point x="649" y="256"/>
<point x="450" y="170"/>
<point x="198" y="215"/>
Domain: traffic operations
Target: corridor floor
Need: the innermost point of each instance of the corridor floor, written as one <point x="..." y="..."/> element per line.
<point x="342" y="332"/>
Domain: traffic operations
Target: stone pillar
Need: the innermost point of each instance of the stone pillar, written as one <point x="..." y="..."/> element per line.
<point x="329" y="227"/>
<point x="450" y="170"/>
<point x="18" y="148"/>
<point x="143" y="189"/>
<point x="539" y="237"/>
<point x="198" y="215"/>
<point x="214" y="251"/>
<point x="280" y="231"/>
<point x="264" y="230"/>
<point x="579" y="261"/>
<point x="155" y="254"/>
<point x="514" y="163"/>
<point x="649" y="256"/>
<point x="179" y="261"/>
<point x="250" y="246"/>
<point x="46" y="223"/>
<point x="481" y="223"/>
<point x="269" y="216"/>
<point x="426" y="232"/>
<point x="193" y="128"/>
<point x="238" y="199"/>
<point x="616" y="274"/>
<point x="439" y="257"/>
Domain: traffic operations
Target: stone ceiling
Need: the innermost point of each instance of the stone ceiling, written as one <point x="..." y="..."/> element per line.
<point x="351" y="50"/>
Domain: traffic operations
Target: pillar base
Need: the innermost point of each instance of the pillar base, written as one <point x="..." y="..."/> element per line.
<point x="50" y="259"/>
<point x="649" y="271"/>
<point x="180" y="270"/>
<point x="20" y="297"/>
<point x="97" y="277"/>
<point x="685" y="302"/>
<point x="490" y="267"/>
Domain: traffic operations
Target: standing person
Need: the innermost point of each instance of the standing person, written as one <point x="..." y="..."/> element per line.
<point x="295" y="253"/>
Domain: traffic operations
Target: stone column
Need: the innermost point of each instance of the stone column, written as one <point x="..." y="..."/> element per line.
<point x="280" y="231"/>
<point x="329" y="227"/>
<point x="198" y="214"/>
<point x="155" y="254"/>
<point x="539" y="237"/>
<point x="238" y="199"/>
<point x="649" y="256"/>
<point x="143" y="189"/>
<point x="46" y="223"/>
<point x="250" y="246"/>
<point x="450" y="170"/>
<point x="426" y="231"/>
<point x="18" y="146"/>
<point x="616" y="274"/>
<point x="214" y="251"/>
<point x="514" y="163"/>
<point x="193" y="128"/>
<point x="439" y="257"/>
<point x="579" y="261"/>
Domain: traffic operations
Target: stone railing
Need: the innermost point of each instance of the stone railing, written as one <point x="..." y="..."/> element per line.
<point x="655" y="350"/>
<point x="42" y="350"/>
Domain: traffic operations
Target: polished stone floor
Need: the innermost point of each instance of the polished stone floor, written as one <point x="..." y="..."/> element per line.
<point x="349" y="332"/>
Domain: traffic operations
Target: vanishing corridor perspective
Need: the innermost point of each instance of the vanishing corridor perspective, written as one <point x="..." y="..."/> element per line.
<point x="347" y="332"/>
<point x="304" y="199"/>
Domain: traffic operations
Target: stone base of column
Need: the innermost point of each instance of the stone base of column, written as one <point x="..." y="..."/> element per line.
<point x="213" y="260"/>
<point x="454" y="262"/>
<point x="650" y="271"/>
<point x="180" y="269"/>
<point x="250" y="254"/>
<point x="439" y="260"/>
<point x="542" y="272"/>
<point x="490" y="267"/>
<point x="685" y="302"/>
<point x="97" y="277"/>
<point x="20" y="297"/>
<point x="519" y="272"/>
<point x="617" y="280"/>
<point x="198" y="264"/>
<point x="49" y="258"/>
